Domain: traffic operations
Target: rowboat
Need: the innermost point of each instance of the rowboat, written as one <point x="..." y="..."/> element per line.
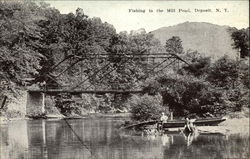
<point x="197" y="122"/>
<point x="178" y="123"/>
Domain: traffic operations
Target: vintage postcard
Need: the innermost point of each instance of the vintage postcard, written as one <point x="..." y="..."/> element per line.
<point x="131" y="79"/>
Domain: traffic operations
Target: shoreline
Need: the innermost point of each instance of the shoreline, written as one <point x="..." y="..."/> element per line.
<point x="60" y="116"/>
<point x="230" y="126"/>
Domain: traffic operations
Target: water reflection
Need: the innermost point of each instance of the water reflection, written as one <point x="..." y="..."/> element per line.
<point x="100" y="138"/>
<point x="190" y="137"/>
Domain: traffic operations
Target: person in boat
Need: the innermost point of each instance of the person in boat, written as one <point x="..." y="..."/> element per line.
<point x="163" y="120"/>
<point x="189" y="125"/>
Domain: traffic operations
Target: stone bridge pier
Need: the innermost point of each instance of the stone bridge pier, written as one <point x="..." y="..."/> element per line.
<point x="35" y="103"/>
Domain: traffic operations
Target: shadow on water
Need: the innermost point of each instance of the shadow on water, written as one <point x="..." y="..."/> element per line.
<point x="100" y="138"/>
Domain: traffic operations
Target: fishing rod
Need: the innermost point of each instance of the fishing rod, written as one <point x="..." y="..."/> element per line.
<point x="81" y="141"/>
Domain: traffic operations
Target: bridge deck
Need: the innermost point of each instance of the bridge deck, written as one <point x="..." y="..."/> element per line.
<point x="85" y="91"/>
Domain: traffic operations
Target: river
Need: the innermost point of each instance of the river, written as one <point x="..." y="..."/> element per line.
<point x="100" y="138"/>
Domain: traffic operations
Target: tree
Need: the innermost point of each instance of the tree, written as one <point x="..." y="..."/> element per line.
<point x="144" y="108"/>
<point x="20" y="46"/>
<point x="19" y="41"/>
<point x="241" y="41"/>
<point x="187" y="95"/>
<point x="72" y="39"/>
<point x="198" y="65"/>
<point x="223" y="73"/>
<point x="174" y="45"/>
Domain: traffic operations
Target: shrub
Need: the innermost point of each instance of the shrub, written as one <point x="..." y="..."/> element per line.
<point x="65" y="104"/>
<point x="146" y="107"/>
<point x="14" y="114"/>
<point x="223" y="73"/>
<point x="187" y="95"/>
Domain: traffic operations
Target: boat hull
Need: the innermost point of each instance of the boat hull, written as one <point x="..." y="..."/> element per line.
<point x="198" y="122"/>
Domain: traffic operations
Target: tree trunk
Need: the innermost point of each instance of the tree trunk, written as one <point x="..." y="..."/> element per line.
<point x="3" y="102"/>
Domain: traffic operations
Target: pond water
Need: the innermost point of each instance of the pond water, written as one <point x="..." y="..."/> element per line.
<point x="100" y="138"/>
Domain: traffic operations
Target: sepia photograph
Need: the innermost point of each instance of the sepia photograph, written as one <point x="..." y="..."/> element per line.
<point x="129" y="79"/>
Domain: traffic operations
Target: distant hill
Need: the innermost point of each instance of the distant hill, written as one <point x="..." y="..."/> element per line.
<point x="208" y="39"/>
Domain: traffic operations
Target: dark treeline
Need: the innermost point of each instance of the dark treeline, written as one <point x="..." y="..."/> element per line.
<point x="39" y="44"/>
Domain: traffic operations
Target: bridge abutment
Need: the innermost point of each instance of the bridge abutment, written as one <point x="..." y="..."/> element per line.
<point x="35" y="103"/>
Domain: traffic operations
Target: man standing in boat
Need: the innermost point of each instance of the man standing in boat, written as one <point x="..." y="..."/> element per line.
<point x="163" y="120"/>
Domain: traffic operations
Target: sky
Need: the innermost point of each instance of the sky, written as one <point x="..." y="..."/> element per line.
<point x="117" y="12"/>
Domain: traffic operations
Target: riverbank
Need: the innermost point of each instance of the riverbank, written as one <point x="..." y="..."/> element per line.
<point x="236" y="125"/>
<point x="230" y="126"/>
<point x="60" y="116"/>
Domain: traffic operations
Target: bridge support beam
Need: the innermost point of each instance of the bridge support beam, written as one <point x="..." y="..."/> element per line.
<point x="35" y="103"/>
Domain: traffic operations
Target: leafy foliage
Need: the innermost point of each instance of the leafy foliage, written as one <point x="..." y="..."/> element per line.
<point x="146" y="107"/>
<point x="174" y="46"/>
<point x="186" y="95"/>
<point x="202" y="87"/>
<point x="19" y="41"/>
<point x="65" y="104"/>
<point x="241" y="41"/>
<point x="224" y="72"/>
<point x="198" y="66"/>
<point x="19" y="46"/>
